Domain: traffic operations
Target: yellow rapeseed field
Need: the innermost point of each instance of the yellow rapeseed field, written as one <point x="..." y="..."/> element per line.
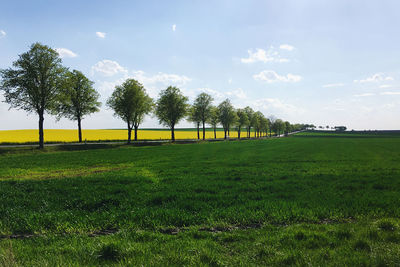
<point x="25" y="136"/>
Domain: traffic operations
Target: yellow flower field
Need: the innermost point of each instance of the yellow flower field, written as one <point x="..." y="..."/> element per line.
<point x="24" y="136"/>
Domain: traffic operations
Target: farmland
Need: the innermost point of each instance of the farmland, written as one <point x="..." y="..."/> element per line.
<point x="327" y="199"/>
<point x="60" y="136"/>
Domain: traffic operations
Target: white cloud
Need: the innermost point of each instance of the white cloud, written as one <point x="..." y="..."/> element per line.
<point x="164" y="78"/>
<point x="2" y="33"/>
<point x="389" y="106"/>
<point x="333" y="85"/>
<point x="101" y="35"/>
<point x="217" y="95"/>
<point x="64" y="52"/>
<point x="271" y="76"/>
<point x="108" y="67"/>
<point x="390" y="93"/>
<point x="238" y="93"/>
<point x="286" y="47"/>
<point x="377" y="77"/>
<point x="240" y="99"/>
<point x="385" y="86"/>
<point x="365" y="94"/>
<point x="106" y="87"/>
<point x="174" y="27"/>
<point x="262" y="55"/>
<point x="275" y="106"/>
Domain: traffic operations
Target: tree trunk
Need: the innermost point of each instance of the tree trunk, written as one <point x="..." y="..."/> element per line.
<point x="204" y="131"/>
<point x="79" y="130"/>
<point x="224" y="133"/>
<point x="41" y="134"/>
<point x="198" y="130"/>
<point x="239" y="133"/>
<point x="129" y="133"/>
<point x="255" y="133"/>
<point x="215" y="132"/>
<point x="136" y="128"/>
<point x="173" y="133"/>
<point x="269" y="132"/>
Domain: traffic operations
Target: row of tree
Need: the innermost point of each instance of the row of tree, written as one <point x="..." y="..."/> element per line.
<point x="131" y="103"/>
<point x="39" y="83"/>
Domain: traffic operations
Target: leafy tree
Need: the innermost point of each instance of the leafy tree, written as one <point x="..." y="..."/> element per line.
<point x="255" y="122"/>
<point x="131" y="103"/>
<point x="272" y="120"/>
<point x="258" y="121"/>
<point x="77" y="98"/>
<point x="268" y="126"/>
<point x="194" y="116"/>
<point x="227" y="116"/>
<point x="202" y="106"/>
<point x="278" y="126"/>
<point x="264" y="126"/>
<point x="34" y="83"/>
<point x="243" y="120"/>
<point x="288" y="127"/>
<point x="213" y="119"/>
<point x="171" y="107"/>
<point x="250" y="113"/>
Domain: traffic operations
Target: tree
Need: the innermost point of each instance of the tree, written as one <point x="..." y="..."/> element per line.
<point x="255" y="122"/>
<point x="278" y="126"/>
<point x="171" y="107"/>
<point x="34" y="83"/>
<point x="227" y="116"/>
<point x="272" y="120"/>
<point x="202" y="106"/>
<point x="268" y="126"/>
<point x="288" y="128"/>
<point x="264" y="126"/>
<point x="194" y="116"/>
<point x="77" y="98"/>
<point x="213" y="119"/>
<point x="242" y="120"/>
<point x="131" y="103"/>
<point x="250" y="113"/>
<point x="258" y="118"/>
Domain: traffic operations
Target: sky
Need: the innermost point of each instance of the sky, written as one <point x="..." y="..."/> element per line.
<point x="322" y="62"/>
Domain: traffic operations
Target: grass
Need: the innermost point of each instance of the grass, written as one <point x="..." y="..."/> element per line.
<point x="288" y="201"/>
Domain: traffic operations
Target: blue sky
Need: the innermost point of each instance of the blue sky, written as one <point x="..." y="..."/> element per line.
<point x="322" y="62"/>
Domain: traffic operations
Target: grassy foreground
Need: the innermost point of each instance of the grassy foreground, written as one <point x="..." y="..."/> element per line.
<point x="292" y="201"/>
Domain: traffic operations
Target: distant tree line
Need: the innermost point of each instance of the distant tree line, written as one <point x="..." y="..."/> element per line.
<point x="39" y="83"/>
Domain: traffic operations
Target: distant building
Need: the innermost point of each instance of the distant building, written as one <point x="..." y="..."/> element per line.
<point x="340" y="128"/>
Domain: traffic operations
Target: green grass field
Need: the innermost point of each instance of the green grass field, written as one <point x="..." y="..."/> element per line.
<point x="310" y="199"/>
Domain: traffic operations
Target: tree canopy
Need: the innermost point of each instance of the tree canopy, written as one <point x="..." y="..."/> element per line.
<point x="34" y="82"/>
<point x="171" y="107"/>
<point x="195" y="117"/>
<point x="131" y="103"/>
<point x="213" y="119"/>
<point x="227" y="115"/>
<point x="77" y="98"/>
<point x="202" y="106"/>
<point x="243" y="120"/>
